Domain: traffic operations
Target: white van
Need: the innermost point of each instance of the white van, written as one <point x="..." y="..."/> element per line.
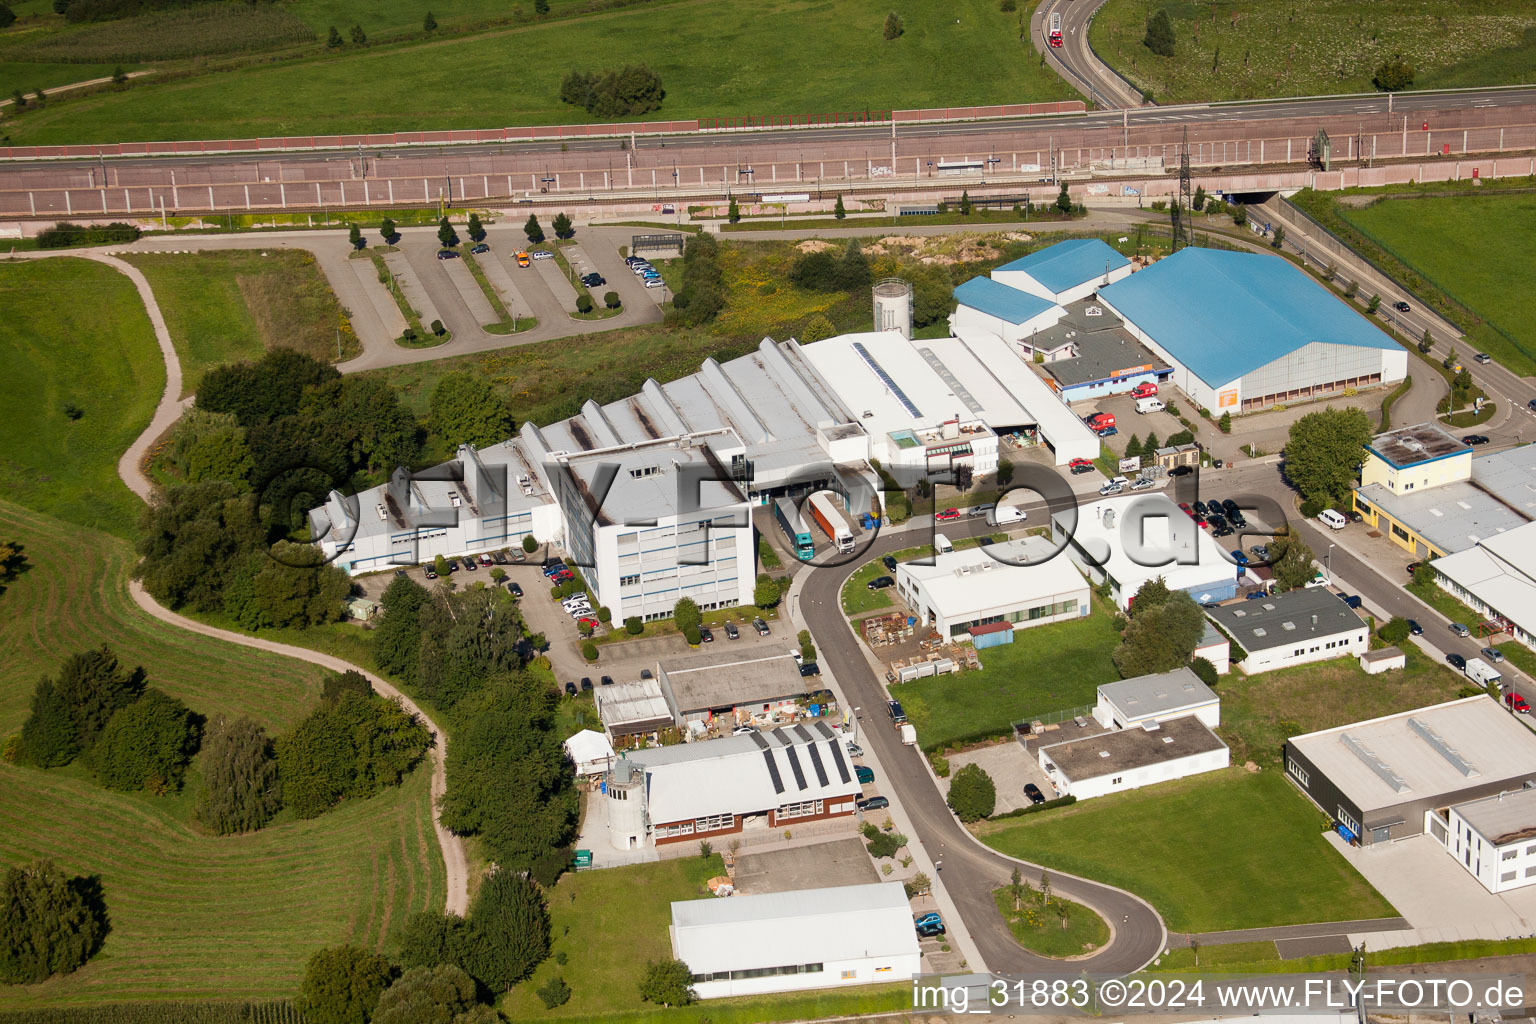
<point x="1005" y="514"/>
<point x="941" y="544"/>
<point x="1331" y="519"/>
<point x="1146" y="405"/>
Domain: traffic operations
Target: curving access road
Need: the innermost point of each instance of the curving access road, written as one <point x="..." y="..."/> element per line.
<point x="1075" y="60"/>
<point x="971" y="870"/>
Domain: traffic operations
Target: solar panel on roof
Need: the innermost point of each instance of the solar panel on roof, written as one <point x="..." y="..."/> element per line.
<point x="773" y="771"/>
<point x="757" y="738"/>
<point x="794" y="766"/>
<point x="821" y="771"/>
<point x="782" y="735"/>
<point x="837" y="759"/>
<point x="823" y="729"/>
<point x="803" y="734"/>
<point x="885" y="378"/>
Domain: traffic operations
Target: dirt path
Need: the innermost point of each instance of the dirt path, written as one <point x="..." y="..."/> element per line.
<point x="455" y="862"/>
<point x="82" y="85"/>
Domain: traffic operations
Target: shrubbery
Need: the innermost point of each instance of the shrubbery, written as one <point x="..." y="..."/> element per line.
<point x="626" y="92"/>
<point x="49" y="923"/>
<point x="350" y="748"/>
<point x="972" y="793"/>
<point x="65" y="235"/>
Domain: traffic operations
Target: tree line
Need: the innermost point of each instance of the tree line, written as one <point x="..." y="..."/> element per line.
<point x="628" y="91"/>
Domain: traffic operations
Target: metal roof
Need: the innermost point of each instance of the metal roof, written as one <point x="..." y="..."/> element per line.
<point x="1158" y="694"/>
<point x="804" y="926"/>
<point x="976" y="581"/>
<point x="1280" y="620"/>
<point x="1501" y="571"/>
<point x="723" y="678"/>
<point x="1452" y="517"/>
<point x="1068" y="264"/>
<point x="1224" y="314"/>
<point x="1001" y="300"/>
<point x="1497" y="746"/>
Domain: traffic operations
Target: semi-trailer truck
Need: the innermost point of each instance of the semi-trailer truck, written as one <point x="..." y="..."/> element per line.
<point x="831" y="521"/>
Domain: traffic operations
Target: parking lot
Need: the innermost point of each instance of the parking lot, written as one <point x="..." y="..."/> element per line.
<point x="1011" y="768"/>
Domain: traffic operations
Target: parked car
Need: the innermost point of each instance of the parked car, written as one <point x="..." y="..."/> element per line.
<point x="893" y="708"/>
<point x="522" y="259"/>
<point x="586" y="685"/>
<point x="1078" y="466"/>
<point x="1255" y="595"/>
<point x="1482" y="358"/>
<point x="744" y="730"/>
<point x="606" y="680"/>
<point x="706" y="635"/>
<point x="469" y="563"/>
<point x="645" y="673"/>
<point x="1456" y="662"/>
<point x="570" y="690"/>
<point x="486" y="560"/>
<point x="932" y="917"/>
<point x="1237" y="519"/>
<point x="1260" y="551"/>
<point x="854" y="750"/>
<point x="1107" y="432"/>
<point x="1239" y="557"/>
<point x="1401" y="307"/>
<point x="1475" y="439"/>
<point x="874" y="803"/>
<point x="515" y="589"/>
<point x="808" y="669"/>
<point x="1181" y="470"/>
<point x="654" y="282"/>
<point x="1460" y="630"/>
<point x="430" y="572"/>
<point x="930" y="931"/>
<point x="866" y="776"/>
<point x="499" y="557"/>
<point x="586" y="622"/>
<point x="447" y="254"/>
<point x="1517" y="704"/>
<point x="1113" y="487"/>
<point x="946" y="516"/>
<point x="1033" y="792"/>
<point x="1352" y="601"/>
<point x="880" y="583"/>
<point x="1493" y="654"/>
<point x="731" y="632"/>
<point x="481" y="248"/>
<point x="1142" y="483"/>
<point x="553" y="567"/>
<point x="1146" y="389"/>
<point x="1414" y="627"/>
<point x="889" y="563"/>
<point x="541" y="254"/>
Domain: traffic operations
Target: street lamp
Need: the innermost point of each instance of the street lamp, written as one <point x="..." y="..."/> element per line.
<point x="1328" y="563"/>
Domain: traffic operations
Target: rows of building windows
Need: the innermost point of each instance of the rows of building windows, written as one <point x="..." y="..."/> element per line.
<point x="803" y="809"/>
<point x="668" y="831"/>
<point x="1330" y="645"/>
<point x="1297" y="772"/>
<point x="714" y="823"/>
<point x="763" y="972"/>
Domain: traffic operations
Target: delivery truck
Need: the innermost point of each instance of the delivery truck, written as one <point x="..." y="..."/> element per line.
<point x="831" y="521"/>
<point x="1482" y="673"/>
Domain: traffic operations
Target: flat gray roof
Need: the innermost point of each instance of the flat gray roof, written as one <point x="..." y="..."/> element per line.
<point x="1510" y="476"/>
<point x="1424" y="754"/>
<point x="1504" y="818"/>
<point x="1283" y="619"/>
<point x="1453" y="516"/>
<point x="1136" y="747"/>
<point x="1158" y="694"/>
<point x="1422" y="442"/>
<point x="1104" y="347"/>
<point x="633" y="707"/>
<point x="651" y="482"/>
<point x="722" y="678"/>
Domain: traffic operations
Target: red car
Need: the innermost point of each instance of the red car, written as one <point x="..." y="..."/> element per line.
<point x="486" y="560"/>
<point x="1146" y="389"/>
<point x="1517" y="703"/>
<point x="562" y="576"/>
<point x="947" y="515"/>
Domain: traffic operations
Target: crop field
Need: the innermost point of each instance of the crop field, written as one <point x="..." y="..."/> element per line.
<point x="1476" y="249"/>
<point x="1244" y="49"/>
<point x="715" y="58"/>
<point x="202" y="30"/>
<point x="221" y="307"/>
<point x="74" y="339"/>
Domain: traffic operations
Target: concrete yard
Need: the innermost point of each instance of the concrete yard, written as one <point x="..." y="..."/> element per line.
<point x="842" y="862"/>
<point x="1011" y="766"/>
<point x="411" y="287"/>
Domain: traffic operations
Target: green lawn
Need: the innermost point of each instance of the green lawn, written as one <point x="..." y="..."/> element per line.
<point x="715" y="59"/>
<point x="1046" y="668"/>
<point x="1258" y="712"/>
<point x="1254" y="49"/>
<point x="30" y="76"/>
<point x="857" y="598"/>
<point x="1217" y="851"/>
<point x="1263" y="958"/>
<point x="1040" y="930"/>
<point x="193" y="916"/>
<point x="222" y="307"/>
<point x="1474" y="248"/>
<point x="74" y="333"/>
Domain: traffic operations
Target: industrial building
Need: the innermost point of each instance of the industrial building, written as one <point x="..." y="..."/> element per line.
<point x="1496" y="578"/>
<point x="1433" y="496"/>
<point x="1127" y="541"/>
<point x="635" y="713"/>
<point x="1131" y="703"/>
<point x="1390" y="777"/>
<point x="719" y="687"/>
<point x="1293" y="628"/>
<point x="1088" y="354"/>
<point x="1494" y="838"/>
<point x="1019" y="583"/>
<point x="802" y="939"/>
<point x="1244" y="331"/>
<point x="1067" y="271"/>
<point x="688" y="791"/>
<point x="1141" y="755"/>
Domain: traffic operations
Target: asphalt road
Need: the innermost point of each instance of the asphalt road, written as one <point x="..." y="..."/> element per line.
<point x="971" y="871"/>
<point x="1074" y="60"/>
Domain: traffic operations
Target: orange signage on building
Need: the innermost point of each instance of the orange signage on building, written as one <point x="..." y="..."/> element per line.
<point x="1226" y="398"/>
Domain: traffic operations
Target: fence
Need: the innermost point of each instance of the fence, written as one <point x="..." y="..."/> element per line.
<point x="1021" y="727"/>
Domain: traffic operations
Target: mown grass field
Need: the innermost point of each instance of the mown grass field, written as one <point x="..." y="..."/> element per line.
<point x="1046" y="668"/>
<point x="1217" y="851"/>
<point x="1252" y="49"/>
<point x="222" y="307"/>
<point x="74" y="332"/>
<point x="32" y="75"/>
<point x="193" y="916"/>
<point x="715" y="58"/>
<point x="1475" y="248"/>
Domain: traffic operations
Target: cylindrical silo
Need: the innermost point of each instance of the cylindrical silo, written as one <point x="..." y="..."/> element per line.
<point x="893" y="306"/>
<point x="625" y="793"/>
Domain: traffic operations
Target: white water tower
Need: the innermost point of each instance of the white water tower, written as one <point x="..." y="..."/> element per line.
<point x="893" y="306"/>
<point x="625" y="793"/>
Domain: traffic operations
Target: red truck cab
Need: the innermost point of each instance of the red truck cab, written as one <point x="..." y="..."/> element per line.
<point x="1517" y="704"/>
<point x="1146" y="389"/>
<point x="1100" y="420"/>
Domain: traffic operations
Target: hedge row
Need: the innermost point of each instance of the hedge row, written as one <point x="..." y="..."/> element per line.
<point x="64" y="235"/>
<point x="1019" y="812"/>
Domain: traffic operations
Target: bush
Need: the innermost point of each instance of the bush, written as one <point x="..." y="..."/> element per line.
<point x="1159" y="38"/>
<point x="1019" y="812"/>
<point x="603" y="614"/>
<point x="583" y="303"/>
<point x="686" y="613"/>
<point x="1225" y="423"/>
<point x="1393" y="75"/>
<point x="65" y="235"/>
<point x="438" y="328"/>
<point x="667" y="983"/>
<point x="1311" y="507"/>
<point x="893" y="26"/>
<point x="972" y="793"/>
<point x="940" y="764"/>
<point x="612" y="300"/>
<point x="554" y="992"/>
<point x="350" y="749"/>
<point x="589" y="650"/>
<point x="1205" y="671"/>
<point x="342" y="985"/>
<point x="626" y="92"/>
<point x="146" y="745"/>
<point x="530" y="545"/>
<point x="807" y="646"/>
<point x="1395" y="630"/>
<point x="886" y="844"/>
<point x="634" y="625"/>
<point x="693" y="636"/>
<point x="49" y="923"/>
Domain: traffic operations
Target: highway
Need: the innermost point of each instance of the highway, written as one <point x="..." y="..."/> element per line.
<point x="1075" y="60"/>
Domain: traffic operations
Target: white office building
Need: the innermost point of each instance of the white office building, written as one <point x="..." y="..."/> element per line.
<point x="1129" y="540"/>
<point x="1293" y="628"/>
<point x="1141" y="755"/>
<point x="1494" y="839"/>
<point x="803" y="939"/>
<point x="994" y="583"/>
<point x="1131" y="703"/>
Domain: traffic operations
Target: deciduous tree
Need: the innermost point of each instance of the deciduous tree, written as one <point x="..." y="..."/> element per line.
<point x="667" y="983"/>
<point x="510" y="930"/>
<point x="972" y="793"/>
<point x="1160" y="639"/>
<point x="427" y="995"/>
<point x="893" y="27"/>
<point x="467" y="410"/>
<point x="1324" y="451"/>
<point x="49" y="923"/>
<point x="342" y="985"/>
<point x="146" y="745"/>
<point x="241" y="787"/>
